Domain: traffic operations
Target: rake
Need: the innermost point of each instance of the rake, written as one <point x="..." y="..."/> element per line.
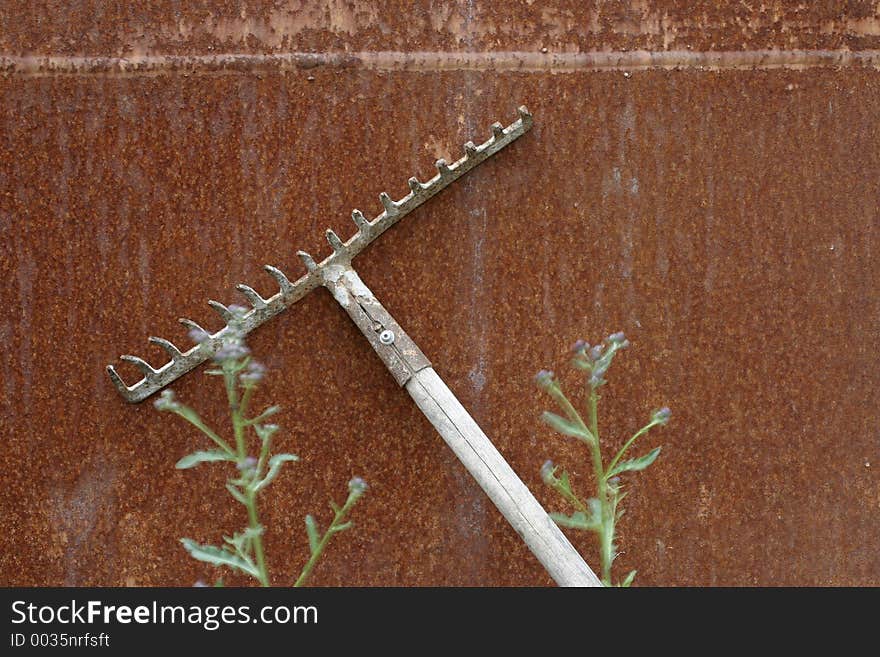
<point x="406" y="362"/>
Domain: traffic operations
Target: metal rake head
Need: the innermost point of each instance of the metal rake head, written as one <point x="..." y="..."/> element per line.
<point x="289" y="293"/>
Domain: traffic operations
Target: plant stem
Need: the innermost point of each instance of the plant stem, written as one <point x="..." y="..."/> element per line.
<point x="238" y="422"/>
<point x="254" y="523"/>
<point x="316" y="554"/>
<point x="594" y="416"/>
<point x="245" y="399"/>
<point x="264" y="456"/>
<point x="606" y="532"/>
<point x="235" y="413"/>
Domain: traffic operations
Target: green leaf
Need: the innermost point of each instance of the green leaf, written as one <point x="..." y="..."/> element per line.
<point x="634" y="465"/>
<point x="628" y="580"/>
<point x="615" y="506"/>
<point x="275" y="464"/>
<point x="262" y="416"/>
<point x="242" y="540"/>
<point x="218" y="557"/>
<point x="562" y="485"/>
<point x="250" y="533"/>
<point x="577" y="520"/>
<point x="237" y="494"/>
<point x="595" y="510"/>
<point x="565" y="426"/>
<point x="192" y="460"/>
<point x="189" y="414"/>
<point x="265" y="431"/>
<point x="341" y="527"/>
<point x="312" y="531"/>
<point x="565" y="483"/>
<point x="246" y="534"/>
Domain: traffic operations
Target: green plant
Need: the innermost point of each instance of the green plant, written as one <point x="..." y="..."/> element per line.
<point x="255" y="466"/>
<point x="598" y="514"/>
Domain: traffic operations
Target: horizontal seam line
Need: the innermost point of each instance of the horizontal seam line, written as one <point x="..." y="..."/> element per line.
<point x="513" y="61"/>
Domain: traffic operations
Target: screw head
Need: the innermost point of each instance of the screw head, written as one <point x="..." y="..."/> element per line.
<point x="386" y="337"/>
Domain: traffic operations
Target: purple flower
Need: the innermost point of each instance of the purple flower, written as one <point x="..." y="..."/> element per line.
<point x="357" y="486"/>
<point x="166" y="401"/>
<point x="233" y="350"/>
<point x="544" y="379"/>
<point x="596" y="352"/>
<point x="617" y="338"/>
<point x="198" y="335"/>
<point x="548" y="472"/>
<point x="253" y="374"/>
<point x="580" y="346"/>
<point x="238" y="311"/>
<point x="661" y="416"/>
<point x="249" y="463"/>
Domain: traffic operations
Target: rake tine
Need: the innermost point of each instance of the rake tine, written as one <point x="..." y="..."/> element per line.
<point x="443" y="168"/>
<point x="497" y="131"/>
<point x="308" y="260"/>
<point x="252" y="296"/>
<point x="360" y="221"/>
<point x="470" y="149"/>
<point x="525" y="116"/>
<point x="141" y="364"/>
<point x="222" y="310"/>
<point x="415" y="185"/>
<point x="117" y="381"/>
<point x="173" y="351"/>
<point x="192" y="326"/>
<point x="334" y="241"/>
<point x="282" y="280"/>
<point x="391" y="208"/>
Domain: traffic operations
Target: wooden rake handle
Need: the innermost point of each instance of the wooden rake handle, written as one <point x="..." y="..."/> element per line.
<point x="413" y="371"/>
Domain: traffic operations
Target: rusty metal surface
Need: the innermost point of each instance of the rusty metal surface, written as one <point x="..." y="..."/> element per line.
<point x="204" y="26"/>
<point x="726" y="220"/>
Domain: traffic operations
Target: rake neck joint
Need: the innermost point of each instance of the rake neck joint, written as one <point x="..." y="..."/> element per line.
<point x="400" y="354"/>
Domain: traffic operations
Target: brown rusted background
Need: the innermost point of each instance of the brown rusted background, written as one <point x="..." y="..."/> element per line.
<point x="725" y="217"/>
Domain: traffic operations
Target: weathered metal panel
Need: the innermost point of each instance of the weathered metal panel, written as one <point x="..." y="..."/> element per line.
<point x="204" y="26"/>
<point x="726" y="219"/>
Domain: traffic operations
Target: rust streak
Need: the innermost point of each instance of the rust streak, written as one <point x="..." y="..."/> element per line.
<point x="50" y="66"/>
